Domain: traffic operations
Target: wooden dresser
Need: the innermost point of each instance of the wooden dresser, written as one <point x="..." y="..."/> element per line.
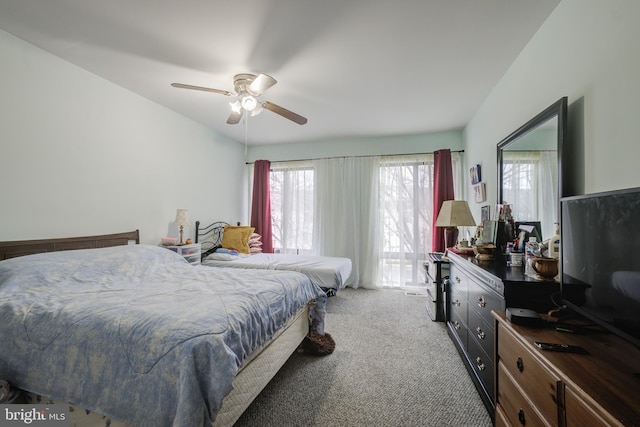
<point x="475" y="289"/>
<point x="535" y="387"/>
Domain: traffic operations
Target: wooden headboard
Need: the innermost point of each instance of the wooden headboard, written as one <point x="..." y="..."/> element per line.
<point x="28" y="247"/>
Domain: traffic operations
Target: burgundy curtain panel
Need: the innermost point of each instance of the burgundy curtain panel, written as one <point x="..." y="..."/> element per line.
<point x="442" y="190"/>
<point x="261" y="204"/>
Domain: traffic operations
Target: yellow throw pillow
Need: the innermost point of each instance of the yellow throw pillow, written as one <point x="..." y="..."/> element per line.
<point x="237" y="237"/>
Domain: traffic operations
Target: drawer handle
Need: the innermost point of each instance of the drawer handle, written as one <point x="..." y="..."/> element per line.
<point x="457" y="279"/>
<point x="521" y="416"/>
<point x="520" y="364"/>
<point x="456" y="302"/>
<point x="480" y="332"/>
<point x="456" y="325"/>
<point x="481" y="302"/>
<point x="480" y="364"/>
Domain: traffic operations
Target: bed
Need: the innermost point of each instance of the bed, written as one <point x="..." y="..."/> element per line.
<point x="136" y="335"/>
<point x="329" y="273"/>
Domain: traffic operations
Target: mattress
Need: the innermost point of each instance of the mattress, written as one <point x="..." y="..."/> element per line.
<point x="254" y="375"/>
<point x="138" y="334"/>
<point x="325" y="272"/>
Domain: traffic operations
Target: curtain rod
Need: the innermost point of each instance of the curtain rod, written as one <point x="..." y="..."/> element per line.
<point x="363" y="155"/>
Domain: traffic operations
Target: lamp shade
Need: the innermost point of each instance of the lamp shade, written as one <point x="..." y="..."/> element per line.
<point x="182" y="217"/>
<point x="454" y="213"/>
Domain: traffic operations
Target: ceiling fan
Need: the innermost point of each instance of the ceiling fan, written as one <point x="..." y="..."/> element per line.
<point x="248" y="88"/>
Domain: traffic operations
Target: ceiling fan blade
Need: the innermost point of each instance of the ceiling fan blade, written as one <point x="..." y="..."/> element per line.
<point x="288" y="114"/>
<point x="234" y="117"/>
<point x="261" y="83"/>
<point x="206" y="89"/>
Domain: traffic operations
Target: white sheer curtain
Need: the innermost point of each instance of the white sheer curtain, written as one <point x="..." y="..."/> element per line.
<point x="375" y="211"/>
<point x="346" y="215"/>
<point x="548" y="196"/>
<point x="529" y="181"/>
<point x="292" y="200"/>
<point x="406" y="211"/>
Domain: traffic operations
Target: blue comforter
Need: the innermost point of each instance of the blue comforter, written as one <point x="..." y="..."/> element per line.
<point x="136" y="333"/>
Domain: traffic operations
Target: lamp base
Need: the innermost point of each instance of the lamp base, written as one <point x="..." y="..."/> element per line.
<point x="450" y="237"/>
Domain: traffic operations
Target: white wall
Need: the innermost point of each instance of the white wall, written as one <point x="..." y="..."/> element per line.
<point x="587" y="50"/>
<point x="82" y="156"/>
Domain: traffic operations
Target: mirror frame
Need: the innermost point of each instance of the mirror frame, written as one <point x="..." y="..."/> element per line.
<point x="559" y="110"/>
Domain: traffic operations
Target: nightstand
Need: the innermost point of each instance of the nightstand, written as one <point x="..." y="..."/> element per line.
<point x="436" y="272"/>
<point x="190" y="252"/>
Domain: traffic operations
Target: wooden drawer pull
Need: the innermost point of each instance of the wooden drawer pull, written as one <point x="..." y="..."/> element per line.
<point x="480" y="333"/>
<point x="520" y="364"/>
<point x="481" y="302"/>
<point x="521" y="416"/>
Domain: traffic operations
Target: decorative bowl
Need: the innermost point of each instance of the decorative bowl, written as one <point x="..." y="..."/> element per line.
<point x="547" y="268"/>
<point x="484" y="252"/>
<point x="485" y="249"/>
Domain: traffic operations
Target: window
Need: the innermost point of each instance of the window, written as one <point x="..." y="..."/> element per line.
<point x="292" y="207"/>
<point x="404" y="206"/>
<point x="529" y="179"/>
<point x="519" y="188"/>
<point x="406" y="212"/>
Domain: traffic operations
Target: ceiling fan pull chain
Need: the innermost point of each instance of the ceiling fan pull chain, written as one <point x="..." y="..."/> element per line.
<point x="246" y="132"/>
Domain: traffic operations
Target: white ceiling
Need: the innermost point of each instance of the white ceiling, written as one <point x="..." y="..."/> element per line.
<point x="354" y="68"/>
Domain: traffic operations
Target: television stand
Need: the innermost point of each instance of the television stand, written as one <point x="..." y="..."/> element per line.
<point x="554" y="388"/>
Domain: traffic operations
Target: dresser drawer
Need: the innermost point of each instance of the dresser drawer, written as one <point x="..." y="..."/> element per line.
<point x="483" y="301"/>
<point x="457" y="304"/>
<point x="482" y="365"/>
<point x="501" y="418"/>
<point x="541" y="385"/>
<point x="457" y="317"/>
<point x="515" y="407"/>
<point x="481" y="331"/>
<point x="578" y="413"/>
<point x="458" y="280"/>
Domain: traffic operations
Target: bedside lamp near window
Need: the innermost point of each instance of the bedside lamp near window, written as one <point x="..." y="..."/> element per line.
<point x="182" y="219"/>
<point x="454" y="214"/>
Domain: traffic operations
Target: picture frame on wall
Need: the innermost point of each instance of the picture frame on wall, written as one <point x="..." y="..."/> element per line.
<point x="476" y="174"/>
<point x="479" y="192"/>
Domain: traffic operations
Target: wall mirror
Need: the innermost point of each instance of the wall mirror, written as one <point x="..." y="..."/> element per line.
<point x="529" y="168"/>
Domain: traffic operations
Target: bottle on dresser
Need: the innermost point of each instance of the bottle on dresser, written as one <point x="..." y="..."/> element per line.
<point x="531" y="251"/>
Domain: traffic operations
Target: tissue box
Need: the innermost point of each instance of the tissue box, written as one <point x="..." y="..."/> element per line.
<point x="169" y="241"/>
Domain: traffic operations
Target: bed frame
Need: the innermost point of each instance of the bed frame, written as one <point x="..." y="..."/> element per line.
<point x="29" y="247"/>
<point x="254" y="374"/>
<point x="213" y="235"/>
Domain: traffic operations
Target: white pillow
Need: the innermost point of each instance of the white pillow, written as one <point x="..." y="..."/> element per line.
<point x="216" y="256"/>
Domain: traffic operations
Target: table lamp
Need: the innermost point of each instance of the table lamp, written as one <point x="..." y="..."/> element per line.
<point x="182" y="219"/>
<point x="454" y="214"/>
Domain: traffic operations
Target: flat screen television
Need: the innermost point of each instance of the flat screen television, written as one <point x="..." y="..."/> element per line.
<point x="600" y="254"/>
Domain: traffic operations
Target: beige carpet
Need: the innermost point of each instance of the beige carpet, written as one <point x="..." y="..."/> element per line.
<point x="392" y="367"/>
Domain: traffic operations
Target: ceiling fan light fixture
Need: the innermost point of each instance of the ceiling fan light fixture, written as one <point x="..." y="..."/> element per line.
<point x="256" y="110"/>
<point x="236" y="107"/>
<point x="248" y="87"/>
<point x="249" y="103"/>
